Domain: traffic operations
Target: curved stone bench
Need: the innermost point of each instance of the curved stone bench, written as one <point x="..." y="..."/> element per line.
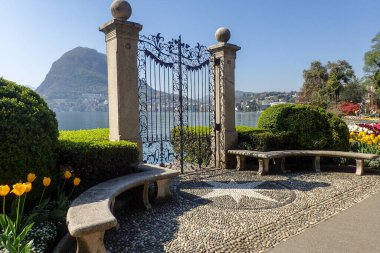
<point x="90" y="215"/>
<point x="264" y="158"/>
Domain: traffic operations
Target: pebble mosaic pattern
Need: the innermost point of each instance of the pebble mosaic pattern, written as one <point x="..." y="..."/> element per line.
<point x="222" y="222"/>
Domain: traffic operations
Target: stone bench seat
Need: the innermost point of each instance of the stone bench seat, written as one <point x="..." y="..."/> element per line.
<point x="264" y="158"/>
<point x="90" y="215"/>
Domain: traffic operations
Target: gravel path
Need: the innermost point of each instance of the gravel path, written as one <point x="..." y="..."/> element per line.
<point x="237" y="211"/>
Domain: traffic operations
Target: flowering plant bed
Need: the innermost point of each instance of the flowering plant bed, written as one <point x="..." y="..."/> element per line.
<point x="365" y="138"/>
<point x="25" y="228"/>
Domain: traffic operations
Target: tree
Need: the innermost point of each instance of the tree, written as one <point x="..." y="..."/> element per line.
<point x="340" y="74"/>
<point x="372" y="64"/>
<point x="315" y="83"/>
<point x="323" y="83"/>
<point x="353" y="92"/>
<point x="372" y="57"/>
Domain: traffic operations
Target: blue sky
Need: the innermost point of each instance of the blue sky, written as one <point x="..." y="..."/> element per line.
<point x="279" y="38"/>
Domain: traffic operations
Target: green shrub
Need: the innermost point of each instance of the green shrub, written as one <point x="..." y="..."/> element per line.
<point x="312" y="127"/>
<point x="94" y="158"/>
<point x="28" y="134"/>
<point x="197" y="141"/>
<point x="264" y="140"/>
<point x="196" y="144"/>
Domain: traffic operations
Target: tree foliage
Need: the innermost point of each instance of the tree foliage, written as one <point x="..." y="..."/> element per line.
<point x="340" y="74"/>
<point x="372" y="57"/>
<point x="353" y="92"/>
<point x="324" y="83"/>
<point x="372" y="64"/>
<point x="314" y="86"/>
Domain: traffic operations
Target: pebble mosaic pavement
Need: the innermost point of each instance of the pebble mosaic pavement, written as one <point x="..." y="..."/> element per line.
<point x="237" y="211"/>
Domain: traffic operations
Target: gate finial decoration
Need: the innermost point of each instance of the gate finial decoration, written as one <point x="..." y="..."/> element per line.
<point x="121" y="10"/>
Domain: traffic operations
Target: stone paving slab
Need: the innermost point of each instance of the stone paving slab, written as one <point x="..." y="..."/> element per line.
<point x="238" y="211"/>
<point x="356" y="229"/>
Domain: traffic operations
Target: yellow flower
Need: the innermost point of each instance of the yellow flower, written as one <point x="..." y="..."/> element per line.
<point x="4" y="190"/>
<point x="76" y="181"/>
<point x="31" y="177"/>
<point x="67" y="174"/>
<point x="28" y="186"/>
<point x="46" y="181"/>
<point x="351" y="140"/>
<point x="18" y="189"/>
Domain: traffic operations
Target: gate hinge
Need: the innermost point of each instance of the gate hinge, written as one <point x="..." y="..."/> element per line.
<point x="218" y="127"/>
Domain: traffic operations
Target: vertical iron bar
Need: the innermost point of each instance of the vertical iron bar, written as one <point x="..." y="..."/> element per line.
<point x="165" y="98"/>
<point x="151" y="99"/>
<point x="155" y="98"/>
<point x="180" y="101"/>
<point x="160" y="123"/>
<point x="191" y="98"/>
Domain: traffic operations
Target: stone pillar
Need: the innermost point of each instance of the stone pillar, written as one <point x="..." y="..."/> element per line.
<point x="121" y="39"/>
<point x="223" y="56"/>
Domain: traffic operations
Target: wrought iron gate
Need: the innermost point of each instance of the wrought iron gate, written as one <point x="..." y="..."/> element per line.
<point x="176" y="102"/>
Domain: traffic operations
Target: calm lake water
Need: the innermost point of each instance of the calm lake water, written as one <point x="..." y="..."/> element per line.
<point x="91" y="120"/>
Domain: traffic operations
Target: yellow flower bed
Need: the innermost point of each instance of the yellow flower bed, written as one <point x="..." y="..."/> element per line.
<point x="370" y="139"/>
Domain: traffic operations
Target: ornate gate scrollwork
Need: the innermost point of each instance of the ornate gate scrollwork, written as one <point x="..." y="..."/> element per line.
<point x="176" y="102"/>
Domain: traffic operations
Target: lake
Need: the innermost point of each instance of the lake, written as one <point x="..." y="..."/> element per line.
<point x="91" y="120"/>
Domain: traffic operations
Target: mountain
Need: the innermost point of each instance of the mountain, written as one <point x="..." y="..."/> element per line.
<point x="239" y="95"/>
<point x="77" y="81"/>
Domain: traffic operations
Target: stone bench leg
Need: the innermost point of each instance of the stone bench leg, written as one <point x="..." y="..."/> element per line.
<point x="263" y="166"/>
<point x="147" y="204"/>
<point x="359" y="167"/>
<point x="283" y="165"/>
<point x="317" y="164"/>
<point x="91" y="243"/>
<point x="281" y="162"/>
<point x="163" y="188"/>
<point x="241" y="162"/>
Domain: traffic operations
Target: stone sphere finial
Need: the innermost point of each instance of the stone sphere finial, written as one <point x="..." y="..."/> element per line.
<point x="121" y="9"/>
<point x="222" y="34"/>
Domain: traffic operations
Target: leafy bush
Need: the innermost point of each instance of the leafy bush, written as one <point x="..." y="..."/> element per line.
<point x="312" y="127"/>
<point x="197" y="141"/>
<point x="28" y="134"/>
<point x="196" y="144"/>
<point x="349" y="108"/>
<point x="252" y="138"/>
<point x="94" y="158"/>
<point x="245" y="132"/>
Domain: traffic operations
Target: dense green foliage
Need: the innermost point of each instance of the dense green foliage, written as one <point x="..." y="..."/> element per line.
<point x="323" y="84"/>
<point x="253" y="138"/>
<point x="93" y="157"/>
<point x="197" y="141"/>
<point x="372" y="57"/>
<point x="28" y="134"/>
<point x="372" y="65"/>
<point x="196" y="144"/>
<point x="353" y="92"/>
<point x="312" y="127"/>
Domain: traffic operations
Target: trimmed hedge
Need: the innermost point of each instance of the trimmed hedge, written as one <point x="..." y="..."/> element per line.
<point x="196" y="144"/>
<point x="253" y="138"/>
<point x="197" y="141"/>
<point x="312" y="127"/>
<point x="28" y="135"/>
<point x="94" y="158"/>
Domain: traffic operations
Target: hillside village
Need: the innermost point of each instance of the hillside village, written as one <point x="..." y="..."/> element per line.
<point x="249" y="102"/>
